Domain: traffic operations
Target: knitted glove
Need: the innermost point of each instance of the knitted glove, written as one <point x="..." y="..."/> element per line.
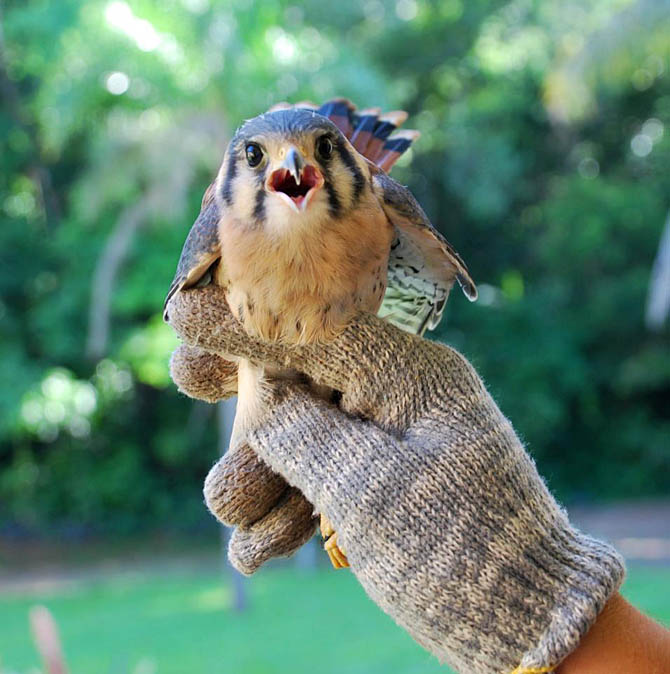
<point x="216" y="379"/>
<point x="442" y="514"/>
<point x="270" y="518"/>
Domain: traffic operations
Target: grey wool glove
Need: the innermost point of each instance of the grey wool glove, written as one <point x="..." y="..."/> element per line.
<point x="441" y="512"/>
<point x="270" y="518"/>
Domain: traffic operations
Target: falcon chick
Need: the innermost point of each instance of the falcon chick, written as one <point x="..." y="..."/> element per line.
<point x="303" y="228"/>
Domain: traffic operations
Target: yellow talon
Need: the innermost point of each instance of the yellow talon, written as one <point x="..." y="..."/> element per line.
<point x="336" y="555"/>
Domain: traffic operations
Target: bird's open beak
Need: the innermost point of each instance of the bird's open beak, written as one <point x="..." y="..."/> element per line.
<point x="295" y="181"/>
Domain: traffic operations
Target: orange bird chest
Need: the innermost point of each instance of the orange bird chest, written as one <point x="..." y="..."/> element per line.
<point x="305" y="284"/>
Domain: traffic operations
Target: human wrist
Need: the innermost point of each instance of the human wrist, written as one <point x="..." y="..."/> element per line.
<point x="621" y="640"/>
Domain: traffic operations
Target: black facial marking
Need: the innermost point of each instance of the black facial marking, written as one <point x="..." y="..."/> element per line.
<point x="298" y="326"/>
<point x="334" y="203"/>
<point x="231" y="172"/>
<point x="350" y="162"/>
<point x="259" y="203"/>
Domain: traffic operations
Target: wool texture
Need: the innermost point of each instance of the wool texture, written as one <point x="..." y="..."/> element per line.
<point x="271" y="519"/>
<point x="442" y="514"/>
<point x="216" y="380"/>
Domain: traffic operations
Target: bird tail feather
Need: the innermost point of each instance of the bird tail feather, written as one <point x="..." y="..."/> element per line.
<point x="372" y="133"/>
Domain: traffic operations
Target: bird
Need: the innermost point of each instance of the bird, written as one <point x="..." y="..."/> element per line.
<point x="303" y="228"/>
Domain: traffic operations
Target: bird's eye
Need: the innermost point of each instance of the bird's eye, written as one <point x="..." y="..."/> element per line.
<point x="324" y="147"/>
<point x="254" y="154"/>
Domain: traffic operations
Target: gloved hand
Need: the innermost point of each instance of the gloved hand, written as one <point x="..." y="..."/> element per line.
<point x="442" y="514"/>
<point x="271" y="519"/>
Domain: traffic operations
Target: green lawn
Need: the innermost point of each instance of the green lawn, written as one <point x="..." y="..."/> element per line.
<point x="180" y="623"/>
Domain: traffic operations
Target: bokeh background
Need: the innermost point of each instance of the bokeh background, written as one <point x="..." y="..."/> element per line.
<point x="545" y="160"/>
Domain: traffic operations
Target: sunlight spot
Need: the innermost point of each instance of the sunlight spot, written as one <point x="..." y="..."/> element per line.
<point x="642" y="79"/>
<point x="489" y="296"/>
<point x="641" y="145"/>
<point x="54" y="411"/>
<point x="19" y="205"/>
<point x="112" y="380"/>
<point x="150" y="120"/>
<point x="146" y="36"/>
<point x="406" y="9"/>
<point x="374" y="10"/>
<point x="500" y="51"/>
<point x="56" y="385"/>
<point x="655" y="64"/>
<point x="196" y="6"/>
<point x="170" y="50"/>
<point x="60" y="402"/>
<point x="79" y="427"/>
<point x="84" y="398"/>
<point x="117" y="83"/>
<point x="284" y="48"/>
<point x="148" y="349"/>
<point x="31" y="412"/>
<point x="118" y="14"/>
<point x="654" y="129"/>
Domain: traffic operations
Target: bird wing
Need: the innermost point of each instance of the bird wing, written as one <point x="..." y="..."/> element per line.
<point x="201" y="249"/>
<point x="422" y="266"/>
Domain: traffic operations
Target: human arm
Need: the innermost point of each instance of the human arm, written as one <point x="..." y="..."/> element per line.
<point x="621" y="641"/>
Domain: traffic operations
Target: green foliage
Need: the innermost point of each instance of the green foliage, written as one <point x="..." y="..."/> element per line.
<point x="543" y="158"/>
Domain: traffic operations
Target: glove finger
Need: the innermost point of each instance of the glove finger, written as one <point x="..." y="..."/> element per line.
<point x="240" y="488"/>
<point x="288" y="526"/>
<point x="203" y="375"/>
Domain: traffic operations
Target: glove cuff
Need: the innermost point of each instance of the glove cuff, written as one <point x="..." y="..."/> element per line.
<point x="579" y="575"/>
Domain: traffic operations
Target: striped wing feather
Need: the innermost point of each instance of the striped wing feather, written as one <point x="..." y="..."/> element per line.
<point x="422" y="266"/>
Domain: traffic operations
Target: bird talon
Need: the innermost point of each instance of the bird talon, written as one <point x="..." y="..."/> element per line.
<point x="336" y="555"/>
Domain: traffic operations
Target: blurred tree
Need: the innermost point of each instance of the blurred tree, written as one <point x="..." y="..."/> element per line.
<point x="543" y="158"/>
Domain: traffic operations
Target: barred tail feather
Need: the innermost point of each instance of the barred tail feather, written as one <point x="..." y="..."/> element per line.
<point x="372" y="133"/>
<point x="339" y="112"/>
<point x="395" y="147"/>
<point x="364" y="124"/>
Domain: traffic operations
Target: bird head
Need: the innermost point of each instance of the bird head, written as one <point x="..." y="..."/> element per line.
<point x="290" y="166"/>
